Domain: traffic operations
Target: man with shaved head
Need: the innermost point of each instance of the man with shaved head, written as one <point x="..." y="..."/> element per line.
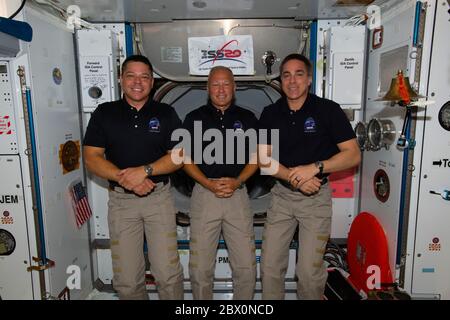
<point x="219" y="202"/>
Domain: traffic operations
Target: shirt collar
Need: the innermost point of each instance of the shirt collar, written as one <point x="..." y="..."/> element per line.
<point x="146" y="106"/>
<point x="214" y="110"/>
<point x="285" y="107"/>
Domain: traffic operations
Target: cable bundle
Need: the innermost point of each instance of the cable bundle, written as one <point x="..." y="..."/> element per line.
<point x="357" y="20"/>
<point x="335" y="256"/>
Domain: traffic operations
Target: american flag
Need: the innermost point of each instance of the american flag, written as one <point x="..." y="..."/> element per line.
<point x="80" y="204"/>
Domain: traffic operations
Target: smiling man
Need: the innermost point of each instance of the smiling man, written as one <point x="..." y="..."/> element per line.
<point x="128" y="142"/>
<point x="315" y="139"/>
<point x="220" y="202"/>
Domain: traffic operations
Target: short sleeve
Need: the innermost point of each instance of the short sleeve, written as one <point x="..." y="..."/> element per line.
<point x="264" y="128"/>
<point x="341" y="129"/>
<point x="188" y="126"/>
<point x="95" y="135"/>
<point x="253" y="122"/>
<point x="174" y="124"/>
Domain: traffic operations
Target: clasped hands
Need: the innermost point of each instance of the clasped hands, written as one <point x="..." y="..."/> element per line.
<point x="136" y="180"/>
<point x="300" y="177"/>
<point x="223" y="187"/>
<point x="304" y="178"/>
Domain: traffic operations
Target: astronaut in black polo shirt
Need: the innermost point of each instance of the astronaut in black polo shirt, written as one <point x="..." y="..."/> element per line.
<point x="219" y="201"/>
<point x="315" y="139"/>
<point x="127" y="142"/>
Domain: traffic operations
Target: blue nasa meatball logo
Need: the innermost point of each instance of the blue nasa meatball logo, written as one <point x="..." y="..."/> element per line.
<point x="154" y="125"/>
<point x="310" y="125"/>
<point x="237" y="125"/>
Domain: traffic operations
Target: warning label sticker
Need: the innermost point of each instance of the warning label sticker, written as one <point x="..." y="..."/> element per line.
<point x="5" y="125"/>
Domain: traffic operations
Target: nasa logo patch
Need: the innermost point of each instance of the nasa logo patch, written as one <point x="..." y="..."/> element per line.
<point x="310" y="125"/>
<point x="237" y="125"/>
<point x="154" y="125"/>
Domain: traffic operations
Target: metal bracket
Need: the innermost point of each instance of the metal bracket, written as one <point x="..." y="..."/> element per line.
<point x="41" y="265"/>
<point x="268" y="59"/>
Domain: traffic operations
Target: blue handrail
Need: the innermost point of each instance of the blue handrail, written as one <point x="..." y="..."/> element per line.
<point x="313" y="53"/>
<point x="36" y="176"/>
<point x="128" y="39"/>
<point x="403" y="189"/>
<point x="417" y="23"/>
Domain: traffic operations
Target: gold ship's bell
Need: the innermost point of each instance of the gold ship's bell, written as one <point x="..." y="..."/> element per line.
<point x="400" y="90"/>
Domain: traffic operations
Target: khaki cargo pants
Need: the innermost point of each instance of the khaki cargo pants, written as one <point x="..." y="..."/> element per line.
<point x="129" y="216"/>
<point x="313" y="216"/>
<point x="209" y="216"/>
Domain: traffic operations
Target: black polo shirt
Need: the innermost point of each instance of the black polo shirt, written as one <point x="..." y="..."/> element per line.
<point x="132" y="138"/>
<point x="309" y="134"/>
<point x="235" y="118"/>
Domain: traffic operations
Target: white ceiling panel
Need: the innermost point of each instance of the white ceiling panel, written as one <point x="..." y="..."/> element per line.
<point x="168" y="10"/>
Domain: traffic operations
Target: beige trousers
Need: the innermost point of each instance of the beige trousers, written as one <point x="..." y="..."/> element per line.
<point x="209" y="216"/>
<point x="129" y="217"/>
<point x="313" y="216"/>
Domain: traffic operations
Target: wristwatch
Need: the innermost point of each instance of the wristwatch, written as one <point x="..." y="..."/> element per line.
<point x="319" y="165"/>
<point x="148" y="169"/>
<point x="241" y="183"/>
